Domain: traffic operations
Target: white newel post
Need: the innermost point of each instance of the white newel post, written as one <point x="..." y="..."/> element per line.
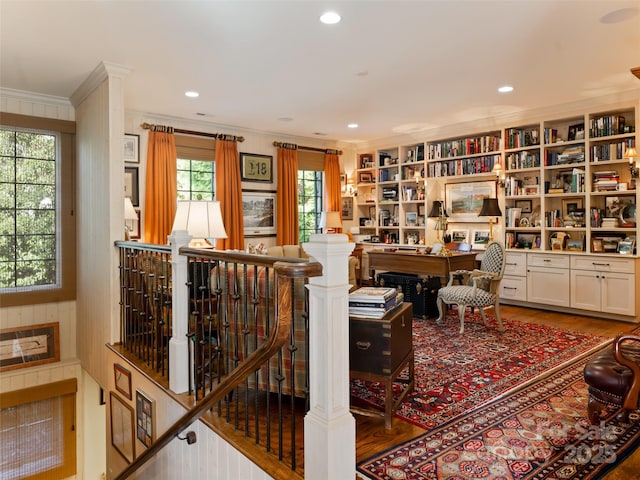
<point x="329" y="426"/>
<point x="178" y="345"/>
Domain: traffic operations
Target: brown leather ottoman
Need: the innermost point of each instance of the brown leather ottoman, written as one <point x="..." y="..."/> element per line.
<point x="613" y="377"/>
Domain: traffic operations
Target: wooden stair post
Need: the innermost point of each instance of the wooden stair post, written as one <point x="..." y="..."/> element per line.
<point x="329" y="426"/>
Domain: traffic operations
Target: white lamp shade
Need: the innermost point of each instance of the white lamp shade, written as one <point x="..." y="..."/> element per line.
<point x="329" y="220"/>
<point x="200" y="219"/>
<point x="129" y="211"/>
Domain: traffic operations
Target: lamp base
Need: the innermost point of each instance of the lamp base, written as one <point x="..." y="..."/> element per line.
<point x="444" y="252"/>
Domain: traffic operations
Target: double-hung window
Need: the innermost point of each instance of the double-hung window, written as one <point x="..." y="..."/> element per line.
<point x="37" y="224"/>
<point x="196" y="168"/>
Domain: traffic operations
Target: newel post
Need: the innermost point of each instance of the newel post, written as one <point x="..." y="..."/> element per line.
<point x="178" y="345"/>
<point x="329" y="426"/>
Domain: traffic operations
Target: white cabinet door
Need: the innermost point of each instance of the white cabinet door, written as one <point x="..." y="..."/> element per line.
<point x="548" y="285"/>
<point x="618" y="295"/>
<point x="585" y="290"/>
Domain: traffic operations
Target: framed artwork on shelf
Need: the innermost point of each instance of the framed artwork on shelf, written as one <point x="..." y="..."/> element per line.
<point x="525" y="206"/>
<point x="365" y="177"/>
<point x="144" y="418"/>
<point x="122" y="380"/>
<point x="572" y="207"/>
<point x="625" y="247"/>
<point x="617" y="206"/>
<point x="131" y="185"/>
<point x="259" y="213"/>
<point x="411" y="219"/>
<point x="347" y="208"/>
<point x="122" y="437"/>
<point x="460" y="236"/>
<point x="28" y="346"/>
<point x="597" y="245"/>
<point x="131" y="152"/>
<point x="463" y="201"/>
<point x="574" y="245"/>
<point x="480" y="239"/>
<point x="256" y="168"/>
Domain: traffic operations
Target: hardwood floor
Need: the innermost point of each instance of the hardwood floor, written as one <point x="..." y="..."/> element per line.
<point x="371" y="437"/>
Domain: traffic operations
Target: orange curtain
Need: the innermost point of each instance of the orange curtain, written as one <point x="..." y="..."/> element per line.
<point x="160" y="189"/>
<point x="287" y="197"/>
<point x="333" y="191"/>
<point x="229" y="194"/>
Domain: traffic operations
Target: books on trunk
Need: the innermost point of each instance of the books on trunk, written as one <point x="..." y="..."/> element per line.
<point x="374" y="302"/>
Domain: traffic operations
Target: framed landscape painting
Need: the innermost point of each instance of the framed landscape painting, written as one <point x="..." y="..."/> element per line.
<point x="463" y="201"/>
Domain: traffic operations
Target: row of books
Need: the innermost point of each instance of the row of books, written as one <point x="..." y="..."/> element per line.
<point x="526" y="159"/>
<point x="605" y="126"/>
<point x="374" y="302"/>
<point x="465" y="166"/>
<point x="517" y="137"/>
<point x="465" y="146"/>
<point x="610" y="151"/>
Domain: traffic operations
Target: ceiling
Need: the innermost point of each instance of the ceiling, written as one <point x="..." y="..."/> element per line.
<point x="391" y="66"/>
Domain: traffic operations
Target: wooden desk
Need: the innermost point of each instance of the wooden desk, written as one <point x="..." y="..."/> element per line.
<point x="419" y="263"/>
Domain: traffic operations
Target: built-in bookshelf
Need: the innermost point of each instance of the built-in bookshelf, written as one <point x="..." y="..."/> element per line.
<point x="566" y="184"/>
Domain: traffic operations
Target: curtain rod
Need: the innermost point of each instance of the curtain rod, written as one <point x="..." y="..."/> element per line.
<point x="293" y="146"/>
<point x="221" y="136"/>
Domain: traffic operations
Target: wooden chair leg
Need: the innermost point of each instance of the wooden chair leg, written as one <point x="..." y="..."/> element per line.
<point x="441" y="309"/>
<point x="594" y="408"/>
<point x="496" y="308"/>
<point x="461" y="310"/>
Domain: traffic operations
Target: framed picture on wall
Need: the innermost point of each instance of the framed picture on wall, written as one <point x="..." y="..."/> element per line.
<point x="131" y="153"/>
<point x="347" y="208"/>
<point x="131" y="185"/>
<point x="464" y="200"/>
<point x="122" y="437"/>
<point x="145" y="413"/>
<point x="259" y="213"/>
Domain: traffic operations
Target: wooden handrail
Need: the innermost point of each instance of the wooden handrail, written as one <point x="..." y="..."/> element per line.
<point x="275" y="341"/>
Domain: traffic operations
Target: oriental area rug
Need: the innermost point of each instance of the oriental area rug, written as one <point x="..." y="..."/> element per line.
<point x="456" y="373"/>
<point x="538" y="432"/>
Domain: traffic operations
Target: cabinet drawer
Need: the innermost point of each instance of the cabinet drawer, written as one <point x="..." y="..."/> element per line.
<point x="603" y="264"/>
<point x="514" y="288"/>
<point x="548" y="260"/>
<point x="516" y="264"/>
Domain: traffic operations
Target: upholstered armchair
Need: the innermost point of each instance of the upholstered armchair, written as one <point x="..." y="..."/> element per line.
<point x="477" y="288"/>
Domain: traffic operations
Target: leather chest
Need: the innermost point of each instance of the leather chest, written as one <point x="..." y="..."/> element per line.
<point x="379" y="346"/>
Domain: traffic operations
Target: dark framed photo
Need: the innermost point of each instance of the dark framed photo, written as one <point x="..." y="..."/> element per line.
<point x="122" y="437"/>
<point x="122" y="380"/>
<point x="131" y="152"/>
<point x="131" y="185"/>
<point x="525" y="205"/>
<point x="365" y="177"/>
<point x="256" y="168"/>
<point x="29" y="346"/>
<point x="259" y="213"/>
<point x="576" y="132"/>
<point x="596" y="245"/>
<point x="144" y="418"/>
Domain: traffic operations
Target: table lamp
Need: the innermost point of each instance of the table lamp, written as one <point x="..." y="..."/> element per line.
<point x="490" y="208"/>
<point x="329" y="221"/>
<point x="200" y="219"/>
<point x="634" y="163"/>
<point x="438" y="211"/>
<point x="129" y="216"/>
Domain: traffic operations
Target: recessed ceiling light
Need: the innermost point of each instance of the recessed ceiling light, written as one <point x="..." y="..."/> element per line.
<point x="505" y="89"/>
<point x="192" y="94"/>
<point x="353" y="125"/>
<point x="330" y="18"/>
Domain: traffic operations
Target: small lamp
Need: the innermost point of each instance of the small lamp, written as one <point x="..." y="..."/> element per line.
<point x="201" y="220"/>
<point x="329" y="221"/>
<point x="438" y="211"/>
<point x="490" y="208"/>
<point x="499" y="171"/>
<point x="351" y="187"/>
<point x="634" y="164"/>
<point x="129" y="216"/>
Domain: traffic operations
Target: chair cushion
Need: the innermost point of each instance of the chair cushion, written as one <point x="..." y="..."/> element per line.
<point x="463" y="294"/>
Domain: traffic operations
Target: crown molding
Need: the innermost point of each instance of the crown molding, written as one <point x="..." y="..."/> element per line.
<point x="102" y="72"/>
<point x="35" y="97"/>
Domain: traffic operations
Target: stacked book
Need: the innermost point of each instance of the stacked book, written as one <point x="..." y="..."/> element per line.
<point x="605" y="181"/>
<point x="609" y="222"/>
<point x="373" y="302"/>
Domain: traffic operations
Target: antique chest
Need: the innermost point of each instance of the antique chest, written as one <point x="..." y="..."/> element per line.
<point x="380" y="346"/>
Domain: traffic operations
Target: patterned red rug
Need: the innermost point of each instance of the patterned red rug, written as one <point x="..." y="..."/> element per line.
<point x="456" y="373"/>
<point x="539" y="432"/>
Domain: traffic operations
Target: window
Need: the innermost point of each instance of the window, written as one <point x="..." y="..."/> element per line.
<point x="196" y="179"/>
<point x="37" y="227"/>
<point x="309" y="202"/>
<point x="38" y="434"/>
<point x="196" y="168"/>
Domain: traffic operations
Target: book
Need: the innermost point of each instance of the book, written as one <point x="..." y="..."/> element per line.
<point x="380" y="294"/>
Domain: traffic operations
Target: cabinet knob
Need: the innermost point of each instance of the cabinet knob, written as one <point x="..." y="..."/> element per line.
<point x="363" y="345"/>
